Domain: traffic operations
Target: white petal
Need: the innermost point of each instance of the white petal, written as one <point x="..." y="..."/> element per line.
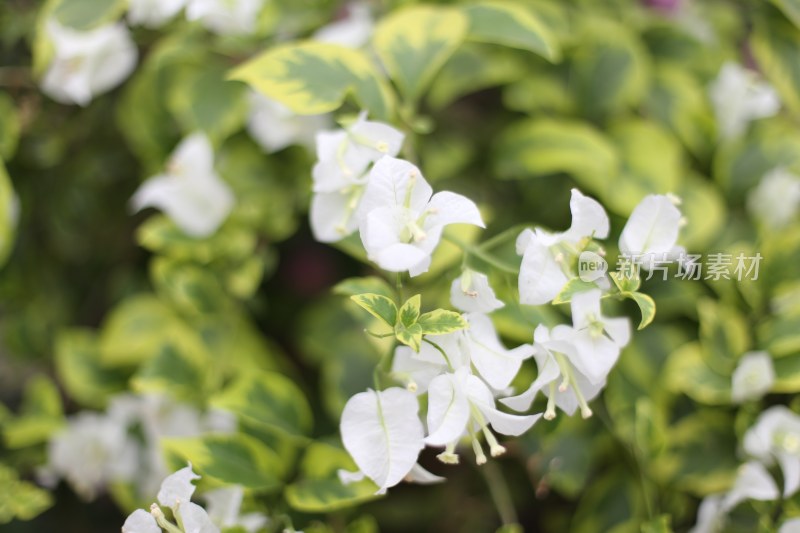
<point x="347" y="477"/>
<point x="761" y="440"/>
<point x="223" y="505"/>
<point x="753" y="482"/>
<point x="115" y="61"/>
<point x="753" y="377"/>
<point x="589" y="219"/>
<point x="140" y="521"/>
<point x="195" y="519"/>
<point x="567" y="401"/>
<point x="421" y="267"/>
<point x="507" y="424"/>
<point x="495" y="363"/>
<point x="177" y="488"/>
<point x="448" y="410"/>
<point x="226" y="17"/>
<point x="383" y="433"/>
<point x="594" y="356"/>
<point x="619" y="329"/>
<point x="406" y="367"/>
<point x="353" y="31"/>
<point x="422" y="476"/>
<point x="389" y="183"/>
<point x="330" y="218"/>
<point x="710" y="515"/>
<point x="585" y="307"/>
<point x="274" y="126"/>
<point x="153" y="13"/>
<point x="652" y="227"/>
<point x="540" y="276"/>
<point x="376" y="139"/>
<point x="476" y="297"/>
<point x="790" y="526"/>
<point x="450" y="208"/>
<point x="790" y="466"/>
<point x="548" y="372"/>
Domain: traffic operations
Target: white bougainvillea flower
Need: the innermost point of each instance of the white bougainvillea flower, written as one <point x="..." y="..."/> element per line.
<point x="353" y="30"/>
<point x="740" y="96"/>
<point x="790" y="526"/>
<point x="177" y="488"/>
<point x="753" y="482"/>
<point x="460" y="403"/>
<point x="545" y="256"/>
<point x="274" y="126"/>
<point x="92" y="451"/>
<point x="402" y="221"/>
<point x="776" y="437"/>
<point x="340" y="174"/>
<point x="194" y="519"/>
<point x="494" y="362"/>
<point x="223" y="508"/>
<point x="775" y="201"/>
<point x="383" y="433"/>
<point x="753" y="377"/>
<point x="651" y="233"/>
<point x="140" y="521"/>
<point x="191" y="193"/>
<point x="226" y="17"/>
<point x="153" y="13"/>
<point x="471" y="293"/>
<point x="710" y="515"/>
<point x="86" y="64"/>
<point x="598" y="339"/>
<point x="560" y="377"/>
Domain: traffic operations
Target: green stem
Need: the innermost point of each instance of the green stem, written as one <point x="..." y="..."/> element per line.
<point x="498" y="488"/>
<point x="441" y="351"/>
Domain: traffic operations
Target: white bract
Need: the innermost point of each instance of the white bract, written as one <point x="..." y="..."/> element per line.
<point x="790" y="526"/>
<point x="471" y="293"/>
<point x="710" y="515"/>
<point x="403" y="220"/>
<point x="384" y="435"/>
<point x="545" y="256"/>
<point x="460" y="403"/>
<point x="340" y="174"/>
<point x="650" y="235"/>
<point x="775" y="201"/>
<point x="153" y="13"/>
<point x="776" y="437"/>
<point x="739" y="96"/>
<point x="753" y="482"/>
<point x="92" y="451"/>
<point x="224" y="506"/>
<point x="274" y="126"/>
<point x="353" y="30"/>
<point x="753" y="377"/>
<point x="140" y="521"/>
<point x="190" y="192"/>
<point x="87" y="63"/>
<point x="560" y="377"/>
<point x="226" y="17"/>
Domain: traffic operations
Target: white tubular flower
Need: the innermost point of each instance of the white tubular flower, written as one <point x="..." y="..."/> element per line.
<point x="153" y="13"/>
<point x="776" y="437"/>
<point x="190" y="192"/>
<point x="775" y="201"/>
<point x="460" y="403"/>
<point x="753" y="482"/>
<point x="710" y="515"/>
<point x="226" y="17"/>
<point x="739" y="96"/>
<point x="86" y="64"/>
<point x="402" y="222"/>
<point x="353" y="31"/>
<point x="140" y="521"/>
<point x="598" y="339"/>
<point x="753" y="377"/>
<point x="384" y="435"/>
<point x="340" y="174"/>
<point x="651" y="233"/>
<point x="471" y="293"/>
<point x="224" y="505"/>
<point x="560" y="378"/>
<point x="544" y="270"/>
<point x="92" y="451"/>
<point x="274" y="126"/>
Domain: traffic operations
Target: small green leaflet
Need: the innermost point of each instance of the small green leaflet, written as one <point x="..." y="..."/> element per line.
<point x="378" y="306"/>
<point x="439" y="322"/>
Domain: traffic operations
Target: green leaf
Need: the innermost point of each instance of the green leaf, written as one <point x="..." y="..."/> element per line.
<point x="312" y="78"/>
<point x="40" y="416"/>
<point x="511" y="24"/>
<point x="370" y="284"/>
<point x="646" y="304"/>
<point x="234" y="459"/>
<point x="88" y="14"/>
<point x="319" y="490"/>
<point x="625" y="283"/>
<point x="20" y="500"/>
<point x="378" y="306"/>
<point x="415" y="42"/>
<point x="790" y="8"/>
<point x="9" y="127"/>
<point x="192" y="288"/>
<point x="410" y="336"/>
<point x="439" y="322"/>
<point x="573" y="287"/>
<point x="180" y="368"/>
<point x="776" y="46"/>
<point x="688" y="372"/>
<point x="9" y="207"/>
<point x="81" y="371"/>
<point x="724" y="334"/>
<point x="541" y="147"/>
<point x="268" y="399"/>
<point x="409" y="312"/>
<point x="705" y="211"/>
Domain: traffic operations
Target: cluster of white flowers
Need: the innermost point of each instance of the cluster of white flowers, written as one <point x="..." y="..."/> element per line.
<point x="176" y="492"/>
<point x="95" y="449"/>
<point x="740" y="96"/>
<point x="773" y="439"/>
